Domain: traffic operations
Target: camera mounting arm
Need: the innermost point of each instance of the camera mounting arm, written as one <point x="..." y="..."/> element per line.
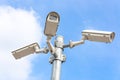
<point x="50" y="46"/>
<point x="43" y="50"/>
<point x="73" y="44"/>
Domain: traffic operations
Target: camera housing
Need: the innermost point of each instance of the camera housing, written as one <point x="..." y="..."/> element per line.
<point x="99" y="36"/>
<point x="30" y="49"/>
<point x="51" y="25"/>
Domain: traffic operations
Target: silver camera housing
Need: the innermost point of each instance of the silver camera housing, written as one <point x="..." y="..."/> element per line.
<point x="51" y="24"/>
<point x="99" y="36"/>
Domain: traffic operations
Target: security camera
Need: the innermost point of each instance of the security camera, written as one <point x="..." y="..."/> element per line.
<point x="30" y="49"/>
<point x="51" y="24"/>
<point x="99" y="36"/>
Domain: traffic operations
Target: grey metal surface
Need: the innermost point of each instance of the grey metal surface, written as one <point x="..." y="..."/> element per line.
<point x="57" y="58"/>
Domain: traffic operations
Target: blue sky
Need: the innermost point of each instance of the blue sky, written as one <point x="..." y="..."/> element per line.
<point x="90" y="61"/>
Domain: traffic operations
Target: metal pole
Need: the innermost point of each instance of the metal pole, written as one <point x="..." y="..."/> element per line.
<point x="57" y="58"/>
<point x="56" y="70"/>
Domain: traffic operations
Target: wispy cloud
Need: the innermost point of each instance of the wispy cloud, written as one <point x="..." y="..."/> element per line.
<point x="17" y="28"/>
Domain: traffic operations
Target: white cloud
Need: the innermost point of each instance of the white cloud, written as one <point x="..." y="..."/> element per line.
<point x="17" y="28"/>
